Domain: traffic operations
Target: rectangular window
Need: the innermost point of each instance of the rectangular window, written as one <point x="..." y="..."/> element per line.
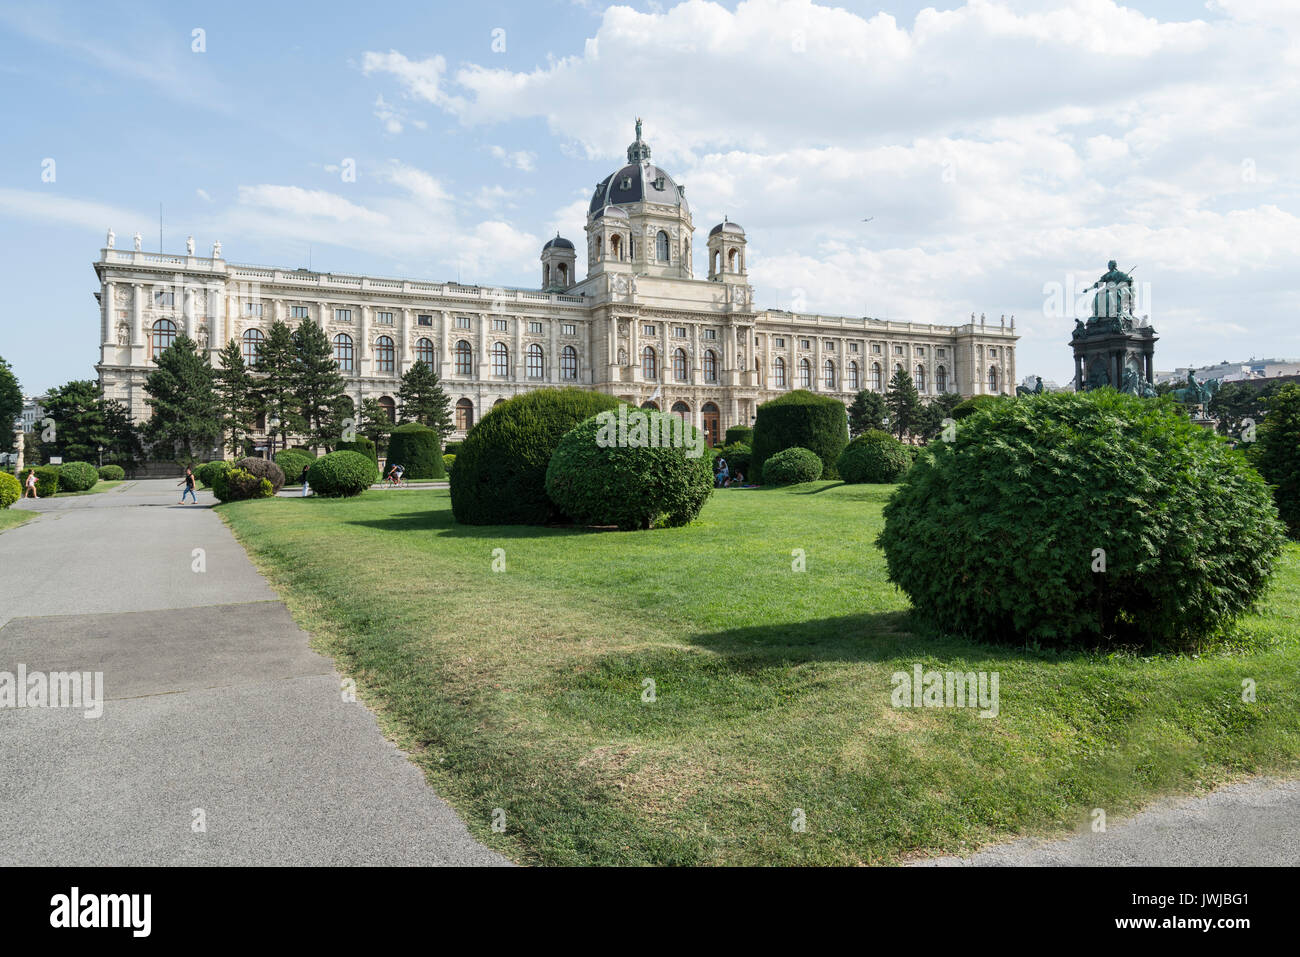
<point x="299" y="312"/>
<point x="424" y="320"/>
<point x="941" y="352"/>
<point x="829" y="346"/>
<point x="993" y="353"/>
<point x="648" y="330"/>
<point x="462" y="322"/>
<point x="805" y="344"/>
<point x="853" y="347"/>
<point x="500" y="325"/>
<point x="875" y="348"/>
<point x="779" y="342"/>
<point x="569" y="329"/>
<point x="920" y="350"/>
<point x="679" y="332"/>
<point x="253" y="309"/>
<point x="535" y="328"/>
<point x="164" y="299"/>
<point x="342" y="315"/>
<point x="710" y="333"/>
<point x="898" y="350"/>
<point x="384" y="318"/>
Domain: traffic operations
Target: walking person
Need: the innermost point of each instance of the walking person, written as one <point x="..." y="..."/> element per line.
<point x="303" y="478"/>
<point x="188" y="482"/>
<point x="31" y="485"/>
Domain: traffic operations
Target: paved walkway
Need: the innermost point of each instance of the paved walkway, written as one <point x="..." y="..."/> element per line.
<point x="213" y="701"/>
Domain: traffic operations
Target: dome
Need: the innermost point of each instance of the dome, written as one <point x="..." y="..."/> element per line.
<point x="640" y="181"/>
<point x="727" y="227"/>
<point x="559" y="242"/>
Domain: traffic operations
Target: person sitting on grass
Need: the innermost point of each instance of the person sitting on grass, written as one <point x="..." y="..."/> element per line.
<point x="721" y="479"/>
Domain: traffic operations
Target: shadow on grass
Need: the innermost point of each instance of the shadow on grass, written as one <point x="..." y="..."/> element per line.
<point x="439" y="521"/>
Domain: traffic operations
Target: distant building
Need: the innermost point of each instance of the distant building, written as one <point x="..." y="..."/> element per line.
<point x="1234" y="371"/>
<point x="32" y="412"/>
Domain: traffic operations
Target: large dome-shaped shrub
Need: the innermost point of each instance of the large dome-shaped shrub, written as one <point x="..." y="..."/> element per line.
<point x="874" y="456"/>
<point x="360" y="444"/>
<point x="77" y="477"/>
<point x="291" y="462"/>
<point x="111" y="473"/>
<point x="342" y="474"/>
<point x="263" y="468"/>
<point x="791" y="467"/>
<point x="10" y="489"/>
<point x="500" y="472"/>
<point x="236" y="484"/>
<point x="1002" y="534"/>
<point x="416" y="447"/>
<point x="801" y="419"/>
<point x="596" y="481"/>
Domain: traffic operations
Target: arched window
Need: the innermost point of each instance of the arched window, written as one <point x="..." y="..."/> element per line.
<point x="533" y="361"/>
<point x="569" y="363"/>
<point x="650" y="404"/>
<point x="464" y="358"/>
<point x="424" y="352"/>
<point x="500" y="360"/>
<point x="993" y="379"/>
<point x="805" y="374"/>
<point x="562" y="272"/>
<point x="546" y="275"/>
<point x="733" y="257"/>
<point x="661" y="246"/>
<point x="464" y="415"/>
<point x="710" y="366"/>
<point x="389" y="406"/>
<point x="778" y="372"/>
<point x="343" y="352"/>
<point x="649" y="363"/>
<point x="161" y="335"/>
<point x="920" y="378"/>
<point x="384" y="354"/>
<point x="829" y="374"/>
<point x="941" y="379"/>
<point x="855" y="383"/>
<point x="681" y="409"/>
<point x="251" y="347"/>
<point x="679" y="362"/>
<point x="616" y="246"/>
<point x="876" y="383"/>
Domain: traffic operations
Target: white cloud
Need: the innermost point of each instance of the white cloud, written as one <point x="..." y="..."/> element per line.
<point x="518" y="159"/>
<point x="420" y="78"/>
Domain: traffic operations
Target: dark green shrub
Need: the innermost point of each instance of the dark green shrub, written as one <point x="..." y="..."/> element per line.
<point x="10" y="489"/>
<point x="360" y="444"/>
<point x="1277" y="454"/>
<point x="500" y="473"/>
<point x="111" y="473"/>
<point x="1003" y="534"/>
<point x="791" y="467"/>
<point x="598" y="482"/>
<point x="739" y="457"/>
<point x="342" y="474"/>
<point x="207" y="472"/>
<point x="452" y="448"/>
<point x="447" y="459"/>
<point x="236" y="484"/>
<point x="972" y="405"/>
<point x="47" y="479"/>
<point x="740" y="433"/>
<point x="262" y="468"/>
<point x="874" y="456"/>
<point x="291" y="462"/>
<point x="800" y="419"/>
<point x="416" y="447"/>
<point x="77" y="477"/>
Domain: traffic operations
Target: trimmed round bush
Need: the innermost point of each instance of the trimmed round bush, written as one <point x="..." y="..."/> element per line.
<point x="791" y="467"/>
<point x="972" y="405"/>
<point x="263" y="468"/>
<point x="874" y="456"/>
<point x="599" y="482"/>
<point x="47" y="479"/>
<point x="111" y="473"/>
<point x="416" y="447"/>
<point x="740" y="433"/>
<point x="447" y="459"/>
<point x="291" y="461"/>
<point x="236" y="484"/>
<point x="342" y="474"/>
<point x="500" y="473"/>
<point x="360" y="444"/>
<point x="11" y="490"/>
<point x="800" y="419"/>
<point x="77" y="477"/>
<point x="207" y="472"/>
<point x="1096" y="518"/>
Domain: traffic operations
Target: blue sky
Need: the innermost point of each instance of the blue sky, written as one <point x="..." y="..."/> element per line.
<point x="1000" y="147"/>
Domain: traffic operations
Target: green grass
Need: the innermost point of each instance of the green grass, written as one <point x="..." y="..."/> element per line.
<point x="13" y="517"/>
<point x="98" y="487"/>
<point x="522" y="689"/>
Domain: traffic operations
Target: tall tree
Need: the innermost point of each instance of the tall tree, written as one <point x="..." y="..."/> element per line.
<point x="186" y="414"/>
<point x="318" y="385"/>
<point x="903" y="402"/>
<point x="424" y="400"/>
<point x="11" y="405"/>
<point x="78" y="416"/>
<point x="123" y="446"/>
<point x="375" y="423"/>
<point x="1237" y="401"/>
<point x="275" y="387"/>
<point x="238" y="403"/>
<point x="866" y="412"/>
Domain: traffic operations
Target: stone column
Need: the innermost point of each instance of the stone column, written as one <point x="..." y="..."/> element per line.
<point x="137" y="316"/>
<point x="552" y="370"/>
<point x="363" y="340"/>
<point x="515" y="374"/>
<point x="106" y="315"/>
<point x="403" y="343"/>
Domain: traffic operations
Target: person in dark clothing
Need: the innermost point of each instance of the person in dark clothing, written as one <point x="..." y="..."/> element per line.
<point x="303" y="479"/>
<point x="188" y="482"/>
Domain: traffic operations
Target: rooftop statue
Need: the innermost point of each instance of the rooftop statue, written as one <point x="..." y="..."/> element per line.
<point x="1114" y="299"/>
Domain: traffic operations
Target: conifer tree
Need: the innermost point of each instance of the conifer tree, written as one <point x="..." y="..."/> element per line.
<point x="237" y="397"/>
<point x="424" y="400"/>
<point x="867" y="412"/>
<point x="318" y="385"/>
<point x="903" y="402"/>
<point x="185" y="411"/>
<point x="275" y="387"/>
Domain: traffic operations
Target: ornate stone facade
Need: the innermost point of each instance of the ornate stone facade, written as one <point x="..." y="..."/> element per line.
<point x="639" y="325"/>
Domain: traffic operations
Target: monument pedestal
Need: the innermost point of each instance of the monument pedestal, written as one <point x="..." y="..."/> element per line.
<point x="1112" y="348"/>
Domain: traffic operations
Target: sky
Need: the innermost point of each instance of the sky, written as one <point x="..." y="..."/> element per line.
<point x="900" y="160"/>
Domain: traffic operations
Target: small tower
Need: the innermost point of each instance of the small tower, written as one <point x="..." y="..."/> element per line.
<point x="727" y="252"/>
<point x="559" y="260"/>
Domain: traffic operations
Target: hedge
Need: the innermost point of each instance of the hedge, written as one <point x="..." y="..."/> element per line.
<point x="111" y="473"/>
<point x="792" y="467"/>
<point x="342" y="474"/>
<point x="417" y="448"/>
<point x="262" y="468"/>
<point x="360" y="444"/>
<point x="1096" y="518"/>
<point x="47" y="479"/>
<point x="236" y="484"/>
<point x="596" y="482"/>
<point x="77" y="477"/>
<point x="874" y="456"/>
<point x="500" y="473"/>
<point x="11" y="490"/>
<point x="800" y="419"/>
<point x="740" y="433"/>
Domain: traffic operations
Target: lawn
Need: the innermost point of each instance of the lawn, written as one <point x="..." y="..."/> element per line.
<point x="13" y="517"/>
<point x="522" y="688"/>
